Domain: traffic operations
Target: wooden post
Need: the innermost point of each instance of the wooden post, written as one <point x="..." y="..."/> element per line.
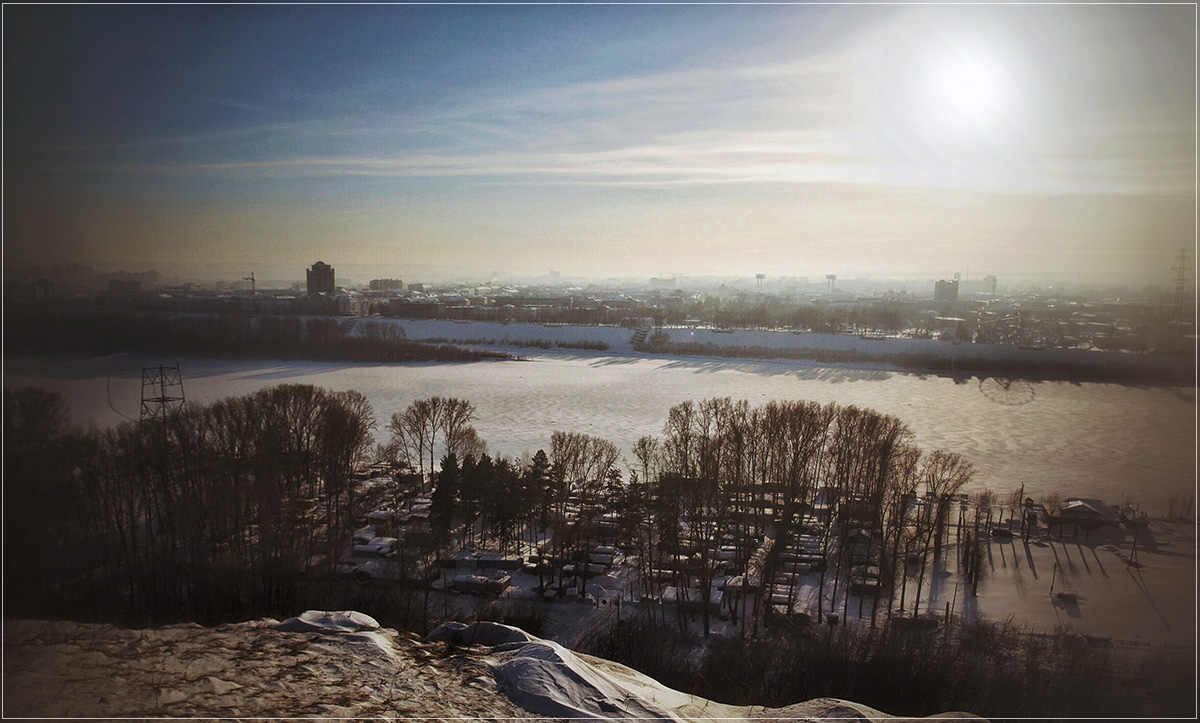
<point x="1133" y="552"/>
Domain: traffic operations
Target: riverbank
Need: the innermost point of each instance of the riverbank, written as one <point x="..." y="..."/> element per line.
<point x="360" y="340"/>
<point x="230" y="336"/>
<point x="916" y="355"/>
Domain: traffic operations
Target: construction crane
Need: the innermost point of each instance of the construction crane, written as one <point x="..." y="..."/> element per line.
<point x="250" y="278"/>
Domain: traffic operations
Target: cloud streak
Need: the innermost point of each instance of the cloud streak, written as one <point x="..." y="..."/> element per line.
<point x="792" y="122"/>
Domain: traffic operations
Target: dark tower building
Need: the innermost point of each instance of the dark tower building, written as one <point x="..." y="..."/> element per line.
<point x="945" y="290"/>
<point x="320" y="279"/>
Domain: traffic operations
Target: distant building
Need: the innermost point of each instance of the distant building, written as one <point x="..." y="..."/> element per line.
<point x="386" y="285"/>
<point x="945" y="290"/>
<point x="320" y="279"/>
<point x="986" y="285"/>
<point x="41" y="289"/>
<point x="124" y="286"/>
<point x="417" y="288"/>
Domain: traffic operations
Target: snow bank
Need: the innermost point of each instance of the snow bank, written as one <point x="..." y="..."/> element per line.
<point x="547" y="679"/>
<point x="313" y="667"/>
<point x="251" y="671"/>
<point x="318" y="621"/>
<point x="350" y="627"/>
<point x="488" y="634"/>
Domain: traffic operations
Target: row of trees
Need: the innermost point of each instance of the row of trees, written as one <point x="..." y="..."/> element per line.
<point x="722" y="465"/>
<point x="212" y="515"/>
<point x="997" y="670"/>
<point x="720" y="473"/>
<point x="213" y="512"/>
<point x="1135" y="368"/>
<point x="234" y="335"/>
<point x="504" y="503"/>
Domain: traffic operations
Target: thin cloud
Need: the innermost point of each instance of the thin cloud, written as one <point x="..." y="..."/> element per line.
<point x="792" y="122"/>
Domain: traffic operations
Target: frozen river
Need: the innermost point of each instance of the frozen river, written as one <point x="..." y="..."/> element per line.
<point x="1085" y="439"/>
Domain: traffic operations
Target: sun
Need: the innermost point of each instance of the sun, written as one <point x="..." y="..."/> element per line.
<point x="969" y="85"/>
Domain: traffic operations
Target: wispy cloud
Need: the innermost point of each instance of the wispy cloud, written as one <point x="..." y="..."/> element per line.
<point x="798" y="121"/>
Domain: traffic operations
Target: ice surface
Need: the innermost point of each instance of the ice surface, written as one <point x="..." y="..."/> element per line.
<point x="1086" y="439"/>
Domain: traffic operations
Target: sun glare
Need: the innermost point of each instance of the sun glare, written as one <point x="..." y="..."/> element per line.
<point x="970" y="87"/>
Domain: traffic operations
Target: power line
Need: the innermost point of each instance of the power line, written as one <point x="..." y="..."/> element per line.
<point x="108" y="390"/>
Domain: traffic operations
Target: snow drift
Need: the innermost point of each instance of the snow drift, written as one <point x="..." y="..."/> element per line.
<point x="332" y="664"/>
<point x="547" y="679"/>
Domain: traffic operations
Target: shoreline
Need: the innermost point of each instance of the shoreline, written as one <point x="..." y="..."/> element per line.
<point x="919" y="357"/>
<point x="361" y="340"/>
<point x="512" y="354"/>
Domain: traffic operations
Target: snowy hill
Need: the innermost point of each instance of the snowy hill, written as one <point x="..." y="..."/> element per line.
<point x="339" y="664"/>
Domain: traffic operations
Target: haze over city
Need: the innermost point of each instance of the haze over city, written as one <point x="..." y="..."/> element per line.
<point x="604" y="140"/>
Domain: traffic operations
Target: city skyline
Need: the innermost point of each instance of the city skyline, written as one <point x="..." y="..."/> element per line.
<point x="605" y="141"/>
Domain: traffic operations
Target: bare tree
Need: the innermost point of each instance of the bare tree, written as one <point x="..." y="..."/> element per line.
<point x="646" y="451"/>
<point x="415" y="434"/>
<point x="943" y="474"/>
<point x="456" y="416"/>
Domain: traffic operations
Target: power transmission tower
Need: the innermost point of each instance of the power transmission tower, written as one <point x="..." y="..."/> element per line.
<point x="1180" y="267"/>
<point x="162" y="393"/>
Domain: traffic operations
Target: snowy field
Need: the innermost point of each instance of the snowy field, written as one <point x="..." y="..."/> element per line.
<point x="1148" y="606"/>
<point x="1153" y="602"/>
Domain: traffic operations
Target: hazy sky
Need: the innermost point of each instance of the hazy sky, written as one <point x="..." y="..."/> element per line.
<point x="604" y="140"/>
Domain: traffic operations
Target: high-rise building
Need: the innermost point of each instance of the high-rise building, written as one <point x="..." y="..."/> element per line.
<point x="945" y="290"/>
<point x="320" y="279"/>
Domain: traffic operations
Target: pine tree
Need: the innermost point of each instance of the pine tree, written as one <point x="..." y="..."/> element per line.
<point x="470" y="493"/>
<point x="441" y="502"/>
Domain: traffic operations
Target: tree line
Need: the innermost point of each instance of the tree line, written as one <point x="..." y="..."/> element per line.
<point x="212" y="515"/>
<point x="721" y="471"/>
<point x="222" y="507"/>
<point x="993" y="669"/>
<point x="1134" y="369"/>
<point x="233" y="335"/>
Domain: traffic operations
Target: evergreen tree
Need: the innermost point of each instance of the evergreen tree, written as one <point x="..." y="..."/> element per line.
<point x="441" y="502"/>
<point x="470" y="493"/>
<point x="541" y="487"/>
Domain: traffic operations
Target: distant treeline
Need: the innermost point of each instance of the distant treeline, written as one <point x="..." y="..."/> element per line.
<point x="224" y="335"/>
<point x="997" y="670"/>
<point x="593" y="345"/>
<point x="1131" y="371"/>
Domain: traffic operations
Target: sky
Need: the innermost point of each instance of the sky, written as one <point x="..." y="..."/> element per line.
<point x="604" y="140"/>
